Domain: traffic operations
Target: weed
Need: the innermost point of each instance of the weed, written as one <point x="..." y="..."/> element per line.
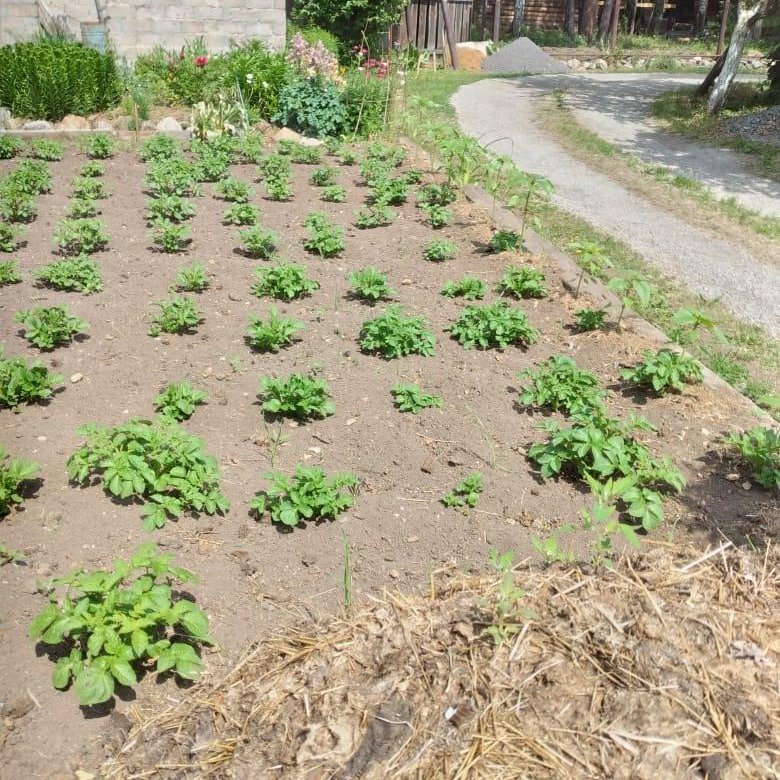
<point x="325" y="237"/>
<point x="505" y="621"/>
<point x="178" y="401"/>
<point x="663" y="371"/>
<point x="559" y="386"/>
<point x="495" y="326"/>
<point x="437" y="216"/>
<point x="92" y="170"/>
<point x="438" y="250"/>
<point x="233" y="190"/>
<point x="9" y="272"/>
<point x="17" y="206"/>
<point x="259" y="242"/>
<point x="283" y="281"/>
<point x="170" y="237"/>
<point x="240" y="214"/>
<point x="45" y="149"/>
<point x="549" y="547"/>
<point x="630" y="288"/>
<point x="589" y="319"/>
<point x="522" y="282"/>
<point x="89" y="189"/>
<point x="9" y="147"/>
<point x="155" y="462"/>
<point x="591" y="258"/>
<point x="298" y="396"/>
<point x="392" y="335"/>
<point x="80" y="236"/>
<point x="760" y="449"/>
<point x="436" y="195"/>
<point x="81" y="208"/>
<point x="24" y="383"/>
<point x="272" y="334"/>
<point x="176" y="315"/>
<point x="468" y="287"/>
<point x="10" y="556"/>
<point x="112" y="623"/>
<point x="465" y="493"/>
<point x="323" y="177"/>
<point x="169" y="208"/>
<point x="78" y="273"/>
<point x="13" y="472"/>
<point x="410" y="398"/>
<point x="50" y="327"/>
<point x="506" y="241"/>
<point x="191" y="278"/>
<point x="374" y="216"/>
<point x="307" y="496"/>
<point x="370" y="285"/>
<point x="9" y="237"/>
<point x="335" y="193"/>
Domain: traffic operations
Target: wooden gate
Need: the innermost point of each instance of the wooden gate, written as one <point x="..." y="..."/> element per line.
<point x="422" y="24"/>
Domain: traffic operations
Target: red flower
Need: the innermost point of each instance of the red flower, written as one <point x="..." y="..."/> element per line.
<point x="201" y="61"/>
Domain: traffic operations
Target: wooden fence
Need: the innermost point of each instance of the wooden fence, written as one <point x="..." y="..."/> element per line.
<point x="422" y="24"/>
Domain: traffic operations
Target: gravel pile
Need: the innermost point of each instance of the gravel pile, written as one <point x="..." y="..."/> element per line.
<point x="762" y="126"/>
<point x="523" y="56"/>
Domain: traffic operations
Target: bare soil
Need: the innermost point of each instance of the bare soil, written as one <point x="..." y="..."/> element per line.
<point x="254" y="579"/>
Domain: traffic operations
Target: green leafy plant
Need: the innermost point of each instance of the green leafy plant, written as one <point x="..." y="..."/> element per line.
<point x="178" y="314"/>
<point x="326" y="239"/>
<point x="234" y="190"/>
<point x="592" y="259"/>
<point x="272" y="334"/>
<point x="89" y="189"/>
<point x="45" y="149"/>
<point x="283" y="281"/>
<point x="78" y="273"/>
<point x="174" y="176"/>
<point x="465" y="493"/>
<point x="50" y="327"/>
<point x="323" y="177"/>
<point x="191" y="278"/>
<point x="16" y="205"/>
<point x="506" y="241"/>
<point x="663" y="371"/>
<point x="159" y="147"/>
<point x="393" y="335"/>
<point x="240" y="214"/>
<point x="278" y="188"/>
<point x="9" y="147"/>
<point x="32" y="177"/>
<point x="589" y="319"/>
<point x="389" y="191"/>
<point x="259" y="242"/>
<point x="760" y="449"/>
<point x="92" y="169"/>
<point x="13" y="472"/>
<point x="436" y="195"/>
<point x="311" y="106"/>
<point x="335" y="193"/>
<point x="369" y="284"/>
<point x="9" y="237"/>
<point x="9" y="272"/>
<point x="630" y="288"/>
<point x="178" y="401"/>
<point x="155" y="462"/>
<point x="437" y="216"/>
<point x="299" y="153"/>
<point x="506" y="617"/>
<point x="210" y="165"/>
<point x="558" y="385"/>
<point x="112" y="623"/>
<point x="298" y="396"/>
<point x="308" y="496"/>
<point x="25" y="383"/>
<point x="549" y="547"/>
<point x="10" y="556"/>
<point x="347" y="156"/>
<point x="169" y="208"/>
<point x="373" y="216"/>
<point x="522" y="282"/>
<point x="100" y="147"/>
<point x="170" y="237"/>
<point x="495" y="326"/>
<point x="468" y="287"/>
<point x="410" y="398"/>
<point x="80" y="236"/>
<point x="82" y="208"/>
<point x="438" y="250"/>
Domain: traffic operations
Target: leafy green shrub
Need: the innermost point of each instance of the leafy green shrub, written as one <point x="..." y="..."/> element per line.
<point x="92" y="170"/>
<point x="323" y="177"/>
<point x="465" y="493"/>
<point x="17" y="206"/>
<point x="278" y="188"/>
<point x="155" y="462"/>
<point x="13" y="471"/>
<point x="234" y="190"/>
<point x="311" y="106"/>
<point x="83" y="208"/>
<point x="23" y="383"/>
<point x="100" y="147"/>
<point x="347" y="156"/>
<point x="373" y="216"/>
<point x="169" y="208"/>
<point x="298" y="396"/>
<point x="307" y="496"/>
<point x="410" y="398"/>
<point x="178" y="401"/>
<point x="663" y="371"/>
<point x="369" y="284"/>
<point x="469" y="287"/>
<point x="49" y="78"/>
<point x="495" y="326"/>
<point x="436" y="195"/>
<point x="211" y="166"/>
<point x="437" y="216"/>
<point x="159" y="147"/>
<point x="299" y="153"/>
<point x="32" y="177"/>
<point x="89" y="189"/>
<point x="522" y="282"/>
<point x="393" y="335"/>
<point x="365" y="97"/>
<point x="325" y="237"/>
<point x="178" y="314"/>
<point x="283" y="281"/>
<point x="240" y="214"/>
<point x="390" y="153"/>
<point x="336" y="193"/>
<point x="9" y="272"/>
<point x="80" y="236"/>
<point x="760" y="448"/>
<point x="439" y="250"/>
<point x="589" y="319"/>
<point x="506" y="241"/>
<point x="170" y="237"/>
<point x="9" y="237"/>
<point x="172" y="176"/>
<point x="272" y="334"/>
<point x="560" y="386"/>
<point x="45" y="149"/>
<point x="389" y="191"/>
<point x="50" y="327"/>
<point x="259" y="242"/>
<point x="79" y="273"/>
<point x="9" y="147"/>
<point x="114" y="622"/>
<point x="191" y="278"/>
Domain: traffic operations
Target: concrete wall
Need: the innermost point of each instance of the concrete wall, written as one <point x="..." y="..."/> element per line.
<point x="136" y="26"/>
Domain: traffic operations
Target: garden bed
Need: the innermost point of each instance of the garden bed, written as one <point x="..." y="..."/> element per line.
<point x="254" y="579"/>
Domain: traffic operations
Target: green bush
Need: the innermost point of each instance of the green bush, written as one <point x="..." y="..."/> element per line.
<point x="311" y="106"/>
<point x="365" y="98"/>
<point x="48" y="79"/>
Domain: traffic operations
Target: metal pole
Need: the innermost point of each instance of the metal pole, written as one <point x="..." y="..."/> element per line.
<point x="448" y="31"/>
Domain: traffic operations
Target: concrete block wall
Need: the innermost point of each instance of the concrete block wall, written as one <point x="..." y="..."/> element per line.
<point x="137" y="26"/>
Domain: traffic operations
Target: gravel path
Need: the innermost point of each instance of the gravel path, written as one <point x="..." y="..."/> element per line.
<point x="500" y="112"/>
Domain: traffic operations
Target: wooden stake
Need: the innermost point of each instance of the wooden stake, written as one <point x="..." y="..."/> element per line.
<point x="723" y="22"/>
<point x="448" y="31"/>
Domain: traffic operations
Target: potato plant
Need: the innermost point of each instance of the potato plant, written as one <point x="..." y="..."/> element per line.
<point x="436" y="195"/>
<point x="92" y="170"/>
<point x="760" y="449"/>
<point x="374" y="216"/>
<point x="663" y="371"/>
<point x="437" y="216"/>
<point x="240" y="214"/>
<point x="169" y="208"/>
<point x="13" y="472"/>
<point x="492" y="327"/>
<point x="81" y="274"/>
<point x="25" y="383"/>
<point x="234" y="190"/>
<point x="80" y="236"/>
<point x="410" y="398"/>
<point x="326" y="239"/>
<point x="89" y="189"/>
<point x="9" y="272"/>
<point x="335" y="193"/>
<point x="558" y="385"/>
<point x="50" y="327"/>
<point x="297" y="396"/>
<point x="191" y="278"/>
<point x="506" y="241"/>
<point x="178" y="314"/>
<point x="438" y="250"/>
<point x="9" y="147"/>
<point x="465" y="493"/>
<point x="522" y="282"/>
<point x="468" y="287"/>
<point x="299" y="153"/>
<point x="16" y="206"/>
<point x="171" y="238"/>
<point x="45" y="149"/>
<point x="9" y="237"/>
<point x="323" y="177"/>
<point x="174" y="176"/>
<point x="272" y="334"/>
<point x="259" y="242"/>
<point x="100" y="147"/>
<point x="393" y="335"/>
<point x="83" y="208"/>
<point x="159" y="147"/>
<point x="31" y="176"/>
<point x="370" y="285"/>
<point x="586" y="320"/>
<point x="284" y="282"/>
<point x="178" y="401"/>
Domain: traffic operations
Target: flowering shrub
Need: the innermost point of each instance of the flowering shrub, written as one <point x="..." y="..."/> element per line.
<point x="370" y="65"/>
<point x="312" y="61"/>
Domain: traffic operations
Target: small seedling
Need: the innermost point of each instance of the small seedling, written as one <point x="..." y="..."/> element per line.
<point x="437" y="216"/>
<point x="591" y="258"/>
<point x="80" y="236"/>
<point x="410" y="398"/>
<point x="439" y="250"/>
<point x="549" y="547"/>
<point x="663" y="371"/>
<point x="89" y="189"/>
<point x="81" y="208"/>
<point x="522" y="282"/>
<point x="92" y="170"/>
<point x="191" y="278"/>
<point x="326" y="239"/>
<point x="505" y="620"/>
<point x="9" y="237"/>
<point x="240" y="214"/>
<point x="81" y="274"/>
<point x="335" y="193"/>
<point x="171" y="238"/>
<point x="323" y="177"/>
<point x="234" y="190"/>
<point x="760" y="449"/>
<point x="50" y="327"/>
<point x="176" y="315"/>
<point x="8" y="555"/>
<point x="558" y="385"/>
<point x="283" y="281"/>
<point x="297" y="396"/>
<point x="9" y="272"/>
<point x="492" y="327"/>
<point x="13" y="472"/>
<point x="259" y="242"/>
<point x="465" y="493"/>
<point x="469" y="287"/>
<point x="23" y="383"/>
<point x="178" y="401"/>
<point x="373" y="216"/>
<point x="100" y="147"/>
<point x="393" y="335"/>
<point x="272" y="334"/>
<point x="45" y="149"/>
<point x="506" y="241"/>
<point x="307" y="496"/>
<point x="589" y="319"/>
<point x="169" y="208"/>
<point x="370" y="285"/>
<point x="628" y="289"/>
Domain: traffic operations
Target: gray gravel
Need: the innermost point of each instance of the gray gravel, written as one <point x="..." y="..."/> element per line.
<point x="500" y="112"/>
<point x="522" y="56"/>
<point x="762" y="126"/>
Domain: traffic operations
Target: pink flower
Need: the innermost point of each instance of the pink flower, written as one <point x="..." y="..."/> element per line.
<point x="201" y="61"/>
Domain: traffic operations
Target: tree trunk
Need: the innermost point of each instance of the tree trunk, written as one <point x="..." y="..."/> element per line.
<point x="631" y="10"/>
<point x="517" y="21"/>
<point x="747" y="14"/>
<point x="709" y="79"/>
<point x="605" y="21"/>
<point x="588" y="18"/>
<point x="613" y="29"/>
<point x="568" y="18"/>
<point x="655" y="19"/>
<point x="497" y="20"/>
<point x="700" y="21"/>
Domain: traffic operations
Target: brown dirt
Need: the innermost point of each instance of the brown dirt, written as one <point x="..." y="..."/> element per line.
<point x="254" y="579"/>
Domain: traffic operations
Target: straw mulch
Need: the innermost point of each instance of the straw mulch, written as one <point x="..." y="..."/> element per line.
<point x="664" y="668"/>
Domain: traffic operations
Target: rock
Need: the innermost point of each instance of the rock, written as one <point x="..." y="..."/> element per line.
<point x="103" y="125"/>
<point x="38" y="124"/>
<point x="73" y="122"/>
<point x="588" y="66"/>
<point x="19" y="707"/>
<point x="169" y="124"/>
<point x="121" y="123"/>
<point x="394" y="573"/>
<point x="286" y="134"/>
<point x="306" y="141"/>
<point x="5" y="118"/>
<point x="148" y="126"/>
<point x="574" y="64"/>
<point x="600" y="64"/>
<point x="732" y="477"/>
<point x="471" y="54"/>
<point x="76" y="378"/>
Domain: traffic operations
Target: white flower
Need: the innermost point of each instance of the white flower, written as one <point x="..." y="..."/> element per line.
<point x="249" y="77"/>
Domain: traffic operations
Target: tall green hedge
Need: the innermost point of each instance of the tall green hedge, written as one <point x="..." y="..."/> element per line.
<point x="48" y="79"/>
